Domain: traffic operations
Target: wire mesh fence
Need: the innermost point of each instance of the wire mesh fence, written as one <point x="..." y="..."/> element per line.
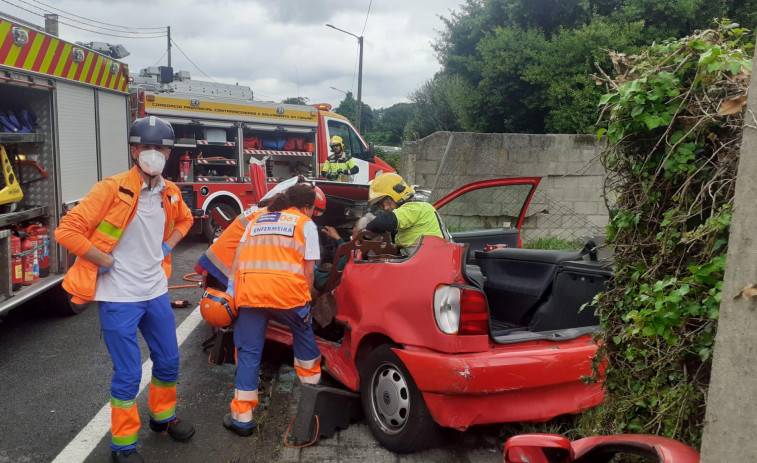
<point x="547" y="216"/>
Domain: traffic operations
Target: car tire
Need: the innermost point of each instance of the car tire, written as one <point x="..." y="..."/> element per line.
<point x="211" y="229"/>
<point x="393" y="405"/>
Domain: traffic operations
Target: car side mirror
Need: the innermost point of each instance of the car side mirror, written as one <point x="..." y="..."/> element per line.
<point x="538" y="448"/>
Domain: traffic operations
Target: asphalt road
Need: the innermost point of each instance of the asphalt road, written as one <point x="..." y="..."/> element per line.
<point x="55" y="387"/>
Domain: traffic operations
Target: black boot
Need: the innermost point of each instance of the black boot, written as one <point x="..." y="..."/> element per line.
<point x="179" y="430"/>
<point x="126" y="456"/>
<point x="228" y="424"/>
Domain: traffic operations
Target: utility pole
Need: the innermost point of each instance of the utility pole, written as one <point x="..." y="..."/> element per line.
<point x="359" y="74"/>
<point x="359" y="84"/>
<point x="169" y="45"/>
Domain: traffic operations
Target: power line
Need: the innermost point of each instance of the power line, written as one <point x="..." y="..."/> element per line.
<point x="161" y="57"/>
<point x="193" y="63"/>
<point x="366" y="16"/>
<point x="128" y="28"/>
<point x="85" y="29"/>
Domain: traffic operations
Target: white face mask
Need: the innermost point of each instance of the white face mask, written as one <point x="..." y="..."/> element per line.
<point x="152" y="162"/>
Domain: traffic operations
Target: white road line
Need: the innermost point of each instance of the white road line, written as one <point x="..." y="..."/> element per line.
<point x="85" y="442"/>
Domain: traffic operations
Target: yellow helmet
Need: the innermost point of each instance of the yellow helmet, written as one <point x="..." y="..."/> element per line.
<point x="336" y="140"/>
<point x="392" y="185"/>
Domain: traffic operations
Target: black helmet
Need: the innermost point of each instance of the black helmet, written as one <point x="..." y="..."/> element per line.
<point x="151" y="130"/>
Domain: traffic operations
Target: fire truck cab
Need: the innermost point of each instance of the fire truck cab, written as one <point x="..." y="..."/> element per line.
<point x="220" y="129"/>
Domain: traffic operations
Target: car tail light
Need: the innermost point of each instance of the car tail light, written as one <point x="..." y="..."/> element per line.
<point x="461" y="310"/>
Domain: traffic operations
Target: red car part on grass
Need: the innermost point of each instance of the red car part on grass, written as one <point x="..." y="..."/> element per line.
<point x="552" y="448"/>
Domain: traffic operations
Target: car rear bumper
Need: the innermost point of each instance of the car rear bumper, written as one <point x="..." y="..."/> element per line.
<point x="532" y="383"/>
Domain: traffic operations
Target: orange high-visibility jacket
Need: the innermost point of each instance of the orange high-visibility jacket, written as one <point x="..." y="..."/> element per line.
<point x="270" y="269"/>
<point x="101" y="217"/>
<point x="220" y="254"/>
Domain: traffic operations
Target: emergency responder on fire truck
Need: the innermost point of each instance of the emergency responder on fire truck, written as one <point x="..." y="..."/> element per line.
<point x="408" y="219"/>
<point x="215" y="264"/>
<point x="272" y="276"/>
<point x="123" y="232"/>
<point x="339" y="166"/>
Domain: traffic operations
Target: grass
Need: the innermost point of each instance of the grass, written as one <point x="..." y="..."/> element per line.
<point x="553" y="243"/>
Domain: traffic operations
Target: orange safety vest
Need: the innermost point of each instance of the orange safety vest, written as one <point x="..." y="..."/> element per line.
<point x="100" y="219"/>
<point x="270" y="270"/>
<point x="220" y="254"/>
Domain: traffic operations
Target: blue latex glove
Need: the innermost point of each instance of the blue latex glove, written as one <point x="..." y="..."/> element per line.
<point x="166" y="250"/>
<point x="230" y="289"/>
<point x="101" y="269"/>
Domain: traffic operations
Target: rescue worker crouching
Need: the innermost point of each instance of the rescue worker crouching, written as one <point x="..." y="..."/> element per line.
<point x="408" y="219"/>
<point x="123" y="232"/>
<point x="272" y="275"/>
<point x="339" y="166"/>
<point x="215" y="264"/>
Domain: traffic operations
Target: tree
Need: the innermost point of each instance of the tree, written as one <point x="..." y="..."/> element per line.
<point x="300" y="100"/>
<point x="433" y="109"/>
<point x="526" y="65"/>
<point x="389" y="124"/>
<point x="348" y="108"/>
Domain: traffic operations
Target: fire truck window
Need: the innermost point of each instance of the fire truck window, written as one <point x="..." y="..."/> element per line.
<point x="357" y="147"/>
<point x="352" y="144"/>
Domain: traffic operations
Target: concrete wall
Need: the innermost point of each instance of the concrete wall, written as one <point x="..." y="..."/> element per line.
<point x="732" y="401"/>
<point x="569" y="201"/>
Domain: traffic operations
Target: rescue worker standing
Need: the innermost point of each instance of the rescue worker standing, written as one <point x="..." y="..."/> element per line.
<point x="339" y="166"/>
<point x="408" y="219"/>
<point x="272" y="275"/>
<point x="123" y="232"/>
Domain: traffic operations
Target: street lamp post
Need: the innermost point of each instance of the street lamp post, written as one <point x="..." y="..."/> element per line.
<point x="359" y="74"/>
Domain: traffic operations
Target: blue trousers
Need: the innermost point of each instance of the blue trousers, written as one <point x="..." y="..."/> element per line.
<point x="249" y="337"/>
<point x="155" y="319"/>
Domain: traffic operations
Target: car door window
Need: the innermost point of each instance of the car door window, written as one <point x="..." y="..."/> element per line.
<point x="489" y="208"/>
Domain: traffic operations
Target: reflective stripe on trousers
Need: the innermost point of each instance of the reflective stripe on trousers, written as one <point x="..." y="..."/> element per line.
<point x="242" y="405"/>
<point x="309" y="371"/>
<point x="119" y="322"/>
<point x="249" y="337"/>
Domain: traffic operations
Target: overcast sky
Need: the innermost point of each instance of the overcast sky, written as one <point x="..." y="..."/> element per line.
<point x="279" y="48"/>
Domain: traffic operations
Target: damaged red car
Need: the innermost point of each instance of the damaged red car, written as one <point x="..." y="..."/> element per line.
<point x="468" y="331"/>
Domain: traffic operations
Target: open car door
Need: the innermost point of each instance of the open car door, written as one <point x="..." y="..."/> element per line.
<point x="488" y="212"/>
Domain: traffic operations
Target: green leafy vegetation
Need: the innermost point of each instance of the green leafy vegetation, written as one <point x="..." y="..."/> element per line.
<point x="525" y="66"/>
<point x="552" y="243"/>
<point x="673" y="119"/>
<point x="393" y="159"/>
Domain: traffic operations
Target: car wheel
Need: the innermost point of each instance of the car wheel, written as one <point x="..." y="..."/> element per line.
<point x="393" y="405"/>
<point x="210" y="228"/>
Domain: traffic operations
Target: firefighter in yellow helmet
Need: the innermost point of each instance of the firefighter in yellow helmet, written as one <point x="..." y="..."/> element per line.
<point x="408" y="219"/>
<point x="339" y="166"/>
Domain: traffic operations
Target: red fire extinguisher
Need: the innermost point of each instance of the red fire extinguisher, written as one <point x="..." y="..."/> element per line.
<point x="185" y="163"/>
<point x="43" y="254"/>
<point x="17" y="272"/>
<point x="29" y="261"/>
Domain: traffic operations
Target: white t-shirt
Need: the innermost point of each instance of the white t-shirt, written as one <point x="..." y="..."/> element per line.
<point x="137" y="274"/>
<point x="312" y="245"/>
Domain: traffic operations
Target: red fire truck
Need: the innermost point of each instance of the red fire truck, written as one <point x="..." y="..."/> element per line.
<point x="220" y="130"/>
<point x="63" y="127"/>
